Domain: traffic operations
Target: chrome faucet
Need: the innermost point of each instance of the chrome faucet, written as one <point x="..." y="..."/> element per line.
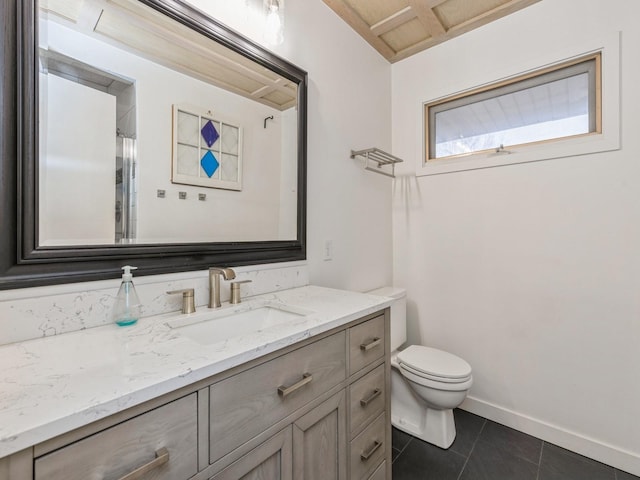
<point x="214" y="284"/>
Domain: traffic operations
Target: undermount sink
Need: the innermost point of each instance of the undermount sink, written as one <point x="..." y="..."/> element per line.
<point x="212" y="326"/>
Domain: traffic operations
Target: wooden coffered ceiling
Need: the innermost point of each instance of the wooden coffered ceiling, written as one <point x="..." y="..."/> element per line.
<point x="400" y="28"/>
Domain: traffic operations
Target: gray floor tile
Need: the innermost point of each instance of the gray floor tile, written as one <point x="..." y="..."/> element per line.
<point x="399" y="439"/>
<point x="517" y="443"/>
<point x="394" y="453"/>
<point x="560" y="464"/>
<point x="497" y="453"/>
<point x="468" y="427"/>
<point x="422" y="461"/>
<point x="488" y="462"/>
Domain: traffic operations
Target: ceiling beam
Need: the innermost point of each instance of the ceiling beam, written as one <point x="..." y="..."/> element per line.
<point x="147" y="24"/>
<point x="464" y="27"/>
<point x="393" y="21"/>
<point x="356" y="22"/>
<point x="491" y="15"/>
<point x="434" y="3"/>
<point x="425" y="12"/>
<point x="428" y="18"/>
<point x="280" y="85"/>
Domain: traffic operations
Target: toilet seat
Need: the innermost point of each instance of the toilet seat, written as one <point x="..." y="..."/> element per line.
<point x="434" y="365"/>
<point x="433" y="378"/>
<point x="436" y="384"/>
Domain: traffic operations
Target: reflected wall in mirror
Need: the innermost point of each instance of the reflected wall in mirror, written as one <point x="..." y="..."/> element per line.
<point x="100" y="169"/>
<point x="111" y="75"/>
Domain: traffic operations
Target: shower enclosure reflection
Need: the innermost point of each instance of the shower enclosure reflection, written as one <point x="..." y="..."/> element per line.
<point x="125" y="189"/>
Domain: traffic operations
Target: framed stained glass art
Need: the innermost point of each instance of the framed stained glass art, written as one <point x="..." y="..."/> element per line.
<point x="207" y="149"/>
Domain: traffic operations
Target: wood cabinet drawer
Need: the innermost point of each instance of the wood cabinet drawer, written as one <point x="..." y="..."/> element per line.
<point x="366" y="343"/>
<point x="119" y="450"/>
<point x="380" y="473"/>
<point x="246" y="404"/>
<point x="367" y="398"/>
<point x="368" y="449"/>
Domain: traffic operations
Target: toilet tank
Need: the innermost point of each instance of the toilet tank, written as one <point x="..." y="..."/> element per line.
<point x="398" y="313"/>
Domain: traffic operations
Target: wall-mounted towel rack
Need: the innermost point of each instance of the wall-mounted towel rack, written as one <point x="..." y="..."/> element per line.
<point x="375" y="160"/>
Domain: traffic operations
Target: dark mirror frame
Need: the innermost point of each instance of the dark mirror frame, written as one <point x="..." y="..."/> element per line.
<point x="22" y="262"/>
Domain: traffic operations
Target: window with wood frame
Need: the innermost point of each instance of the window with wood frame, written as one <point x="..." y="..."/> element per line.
<point x="553" y="103"/>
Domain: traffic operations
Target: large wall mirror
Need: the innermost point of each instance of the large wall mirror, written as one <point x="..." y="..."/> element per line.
<point x="144" y="132"/>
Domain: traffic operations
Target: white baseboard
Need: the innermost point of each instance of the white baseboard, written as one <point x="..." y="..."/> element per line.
<point x="616" y="457"/>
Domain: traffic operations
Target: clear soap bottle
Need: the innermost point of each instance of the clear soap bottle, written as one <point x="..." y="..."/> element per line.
<point x="127" y="308"/>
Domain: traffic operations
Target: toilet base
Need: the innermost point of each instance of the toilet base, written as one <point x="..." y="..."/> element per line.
<point x="437" y="428"/>
<point x="411" y="414"/>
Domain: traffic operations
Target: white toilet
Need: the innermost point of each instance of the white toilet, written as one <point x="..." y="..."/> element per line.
<point x="426" y="383"/>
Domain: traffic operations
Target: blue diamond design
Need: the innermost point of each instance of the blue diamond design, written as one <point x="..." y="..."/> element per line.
<point x="209" y="164"/>
<point x="209" y="133"/>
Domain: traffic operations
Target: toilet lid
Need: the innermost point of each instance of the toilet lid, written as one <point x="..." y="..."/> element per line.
<point x="433" y="362"/>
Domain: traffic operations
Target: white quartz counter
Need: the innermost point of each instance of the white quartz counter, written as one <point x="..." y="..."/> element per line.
<point x="53" y="385"/>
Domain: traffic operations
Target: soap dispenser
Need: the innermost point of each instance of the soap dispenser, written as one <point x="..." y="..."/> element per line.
<point x="126" y="310"/>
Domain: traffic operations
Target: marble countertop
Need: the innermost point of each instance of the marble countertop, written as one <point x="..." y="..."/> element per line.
<point x="53" y="385"/>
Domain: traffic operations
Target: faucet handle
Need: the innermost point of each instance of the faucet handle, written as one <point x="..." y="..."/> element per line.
<point x="235" y="290"/>
<point x="188" y="300"/>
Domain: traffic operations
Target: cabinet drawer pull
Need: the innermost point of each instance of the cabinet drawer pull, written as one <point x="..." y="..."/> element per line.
<point x="162" y="457"/>
<point x="284" y="391"/>
<point x="375" y="394"/>
<point x="365" y="347"/>
<point x="365" y="456"/>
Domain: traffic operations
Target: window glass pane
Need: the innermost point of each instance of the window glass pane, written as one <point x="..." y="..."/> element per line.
<point x="188" y="128"/>
<point x="187" y="160"/>
<point x="229" y="168"/>
<point x="230" y="139"/>
<point x="537" y="109"/>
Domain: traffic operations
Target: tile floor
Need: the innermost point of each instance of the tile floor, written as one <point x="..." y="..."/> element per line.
<point x="485" y="450"/>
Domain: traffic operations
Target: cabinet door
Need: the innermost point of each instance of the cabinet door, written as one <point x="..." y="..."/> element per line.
<point x="320" y="442"/>
<point x="270" y="460"/>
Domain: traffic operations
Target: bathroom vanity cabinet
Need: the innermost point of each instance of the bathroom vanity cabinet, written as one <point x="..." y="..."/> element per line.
<point x="318" y="409"/>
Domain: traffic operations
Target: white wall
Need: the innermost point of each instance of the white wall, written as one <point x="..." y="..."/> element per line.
<point x="349" y="108"/>
<point x="531" y="271"/>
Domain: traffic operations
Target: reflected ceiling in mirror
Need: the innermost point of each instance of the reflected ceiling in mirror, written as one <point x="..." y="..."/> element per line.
<point x="126" y="95"/>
